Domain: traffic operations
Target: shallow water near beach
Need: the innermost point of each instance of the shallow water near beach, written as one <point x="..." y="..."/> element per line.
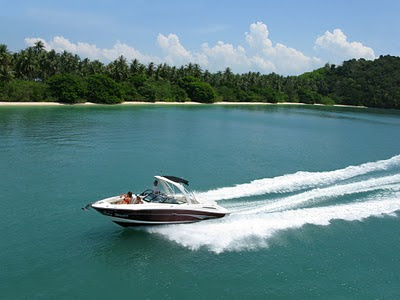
<point x="314" y="194"/>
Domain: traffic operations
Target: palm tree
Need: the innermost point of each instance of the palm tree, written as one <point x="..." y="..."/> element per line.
<point x="165" y="72"/>
<point x="39" y="46"/>
<point x="181" y="72"/>
<point x="197" y="71"/>
<point x="119" y="69"/>
<point x="227" y="76"/>
<point x="157" y="72"/>
<point x="189" y="69"/>
<point x="96" y="67"/>
<point x="6" y="61"/>
<point x="69" y="63"/>
<point x="135" y="66"/>
<point x="173" y="75"/>
<point x="26" y="64"/>
<point x="150" y="69"/>
<point x="84" y="67"/>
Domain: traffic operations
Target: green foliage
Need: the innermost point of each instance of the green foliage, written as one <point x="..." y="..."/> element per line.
<point x="248" y="96"/>
<point x="166" y="91"/>
<point x="102" y="89"/>
<point x="227" y="94"/>
<point x="185" y="82"/>
<point x="201" y="92"/>
<point x="198" y="91"/>
<point x="137" y="80"/>
<point x="66" y="88"/>
<point x="178" y="94"/>
<point x="309" y="97"/>
<point x="147" y="92"/>
<point x="269" y="95"/>
<point x="129" y="92"/>
<point x="25" y="91"/>
<point x="5" y="64"/>
<point x="370" y="83"/>
<point x="327" y="101"/>
<point x="356" y="82"/>
<point x="281" y="97"/>
<point x="163" y="91"/>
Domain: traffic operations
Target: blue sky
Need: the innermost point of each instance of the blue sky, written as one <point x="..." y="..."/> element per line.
<point x="286" y="37"/>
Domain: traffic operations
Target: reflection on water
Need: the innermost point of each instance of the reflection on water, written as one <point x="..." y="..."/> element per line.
<point x="350" y="113"/>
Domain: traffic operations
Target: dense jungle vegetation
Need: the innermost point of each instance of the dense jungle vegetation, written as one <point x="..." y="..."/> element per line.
<point x="34" y="74"/>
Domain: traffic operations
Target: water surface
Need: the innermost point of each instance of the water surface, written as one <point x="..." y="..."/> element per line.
<point x="314" y="195"/>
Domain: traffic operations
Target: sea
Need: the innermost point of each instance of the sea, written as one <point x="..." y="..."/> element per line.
<point x="313" y="191"/>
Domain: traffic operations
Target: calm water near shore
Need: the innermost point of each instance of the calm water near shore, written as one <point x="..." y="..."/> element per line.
<point x="329" y="231"/>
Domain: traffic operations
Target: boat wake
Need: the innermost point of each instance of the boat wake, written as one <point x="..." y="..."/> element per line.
<point x="291" y="201"/>
<point x="297" y="181"/>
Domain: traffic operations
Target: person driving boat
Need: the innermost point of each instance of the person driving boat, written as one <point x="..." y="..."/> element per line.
<point x="155" y="187"/>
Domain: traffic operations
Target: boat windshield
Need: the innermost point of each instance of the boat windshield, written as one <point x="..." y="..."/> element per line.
<point x="150" y="197"/>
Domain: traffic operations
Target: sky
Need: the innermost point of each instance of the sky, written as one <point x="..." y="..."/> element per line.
<point x="287" y="37"/>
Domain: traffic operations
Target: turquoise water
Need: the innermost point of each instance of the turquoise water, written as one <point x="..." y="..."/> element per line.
<point x="329" y="231"/>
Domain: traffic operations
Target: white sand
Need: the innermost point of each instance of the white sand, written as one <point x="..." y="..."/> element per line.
<point x="164" y="103"/>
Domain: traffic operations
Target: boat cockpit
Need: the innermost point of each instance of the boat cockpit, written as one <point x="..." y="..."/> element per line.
<point x="150" y="197"/>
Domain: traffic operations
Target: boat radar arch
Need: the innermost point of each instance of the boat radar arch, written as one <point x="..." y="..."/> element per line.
<point x="169" y="182"/>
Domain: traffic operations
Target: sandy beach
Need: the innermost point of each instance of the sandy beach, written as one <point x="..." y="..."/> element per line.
<point x="165" y="103"/>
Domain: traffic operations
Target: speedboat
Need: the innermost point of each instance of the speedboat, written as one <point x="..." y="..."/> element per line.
<point x="173" y="204"/>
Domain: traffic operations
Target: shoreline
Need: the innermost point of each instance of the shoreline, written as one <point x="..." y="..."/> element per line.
<point x="169" y="103"/>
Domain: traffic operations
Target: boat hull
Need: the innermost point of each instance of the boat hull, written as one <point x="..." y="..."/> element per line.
<point x="143" y="217"/>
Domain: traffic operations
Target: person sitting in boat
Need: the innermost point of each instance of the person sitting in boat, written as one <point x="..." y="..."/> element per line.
<point x="155" y="187"/>
<point x="138" y="200"/>
<point x="127" y="198"/>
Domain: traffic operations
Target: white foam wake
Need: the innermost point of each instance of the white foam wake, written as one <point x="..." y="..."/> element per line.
<point x="315" y="196"/>
<point x="241" y="232"/>
<point x="297" y="181"/>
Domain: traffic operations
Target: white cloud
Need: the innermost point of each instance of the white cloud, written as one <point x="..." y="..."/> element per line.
<point x="336" y="45"/>
<point x="258" y="54"/>
<point x="224" y="55"/>
<point x="279" y="58"/>
<point x="263" y="64"/>
<point x="32" y="41"/>
<point x="176" y="54"/>
<point x="258" y="36"/>
<point x="60" y="44"/>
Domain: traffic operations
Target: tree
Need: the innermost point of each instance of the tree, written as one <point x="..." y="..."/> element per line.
<point x="69" y="63"/>
<point x="26" y="64"/>
<point x="5" y="64"/>
<point x="148" y="92"/>
<point x="25" y="91"/>
<point x="269" y="95"/>
<point x="198" y="91"/>
<point x="96" y="67"/>
<point x="202" y="92"/>
<point x="134" y="67"/>
<point x="309" y="97"/>
<point x="49" y="64"/>
<point x="178" y="94"/>
<point x="129" y="92"/>
<point x="102" y="89"/>
<point x="137" y="80"/>
<point x="39" y="46"/>
<point x="66" y="88"/>
<point x="358" y="82"/>
<point x="227" y="94"/>
<point x="118" y="69"/>
<point x="150" y="70"/>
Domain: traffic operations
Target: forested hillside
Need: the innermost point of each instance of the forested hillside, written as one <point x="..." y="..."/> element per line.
<point x="34" y="74"/>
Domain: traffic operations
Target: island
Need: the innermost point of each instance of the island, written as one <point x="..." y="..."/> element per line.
<point x="36" y="75"/>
